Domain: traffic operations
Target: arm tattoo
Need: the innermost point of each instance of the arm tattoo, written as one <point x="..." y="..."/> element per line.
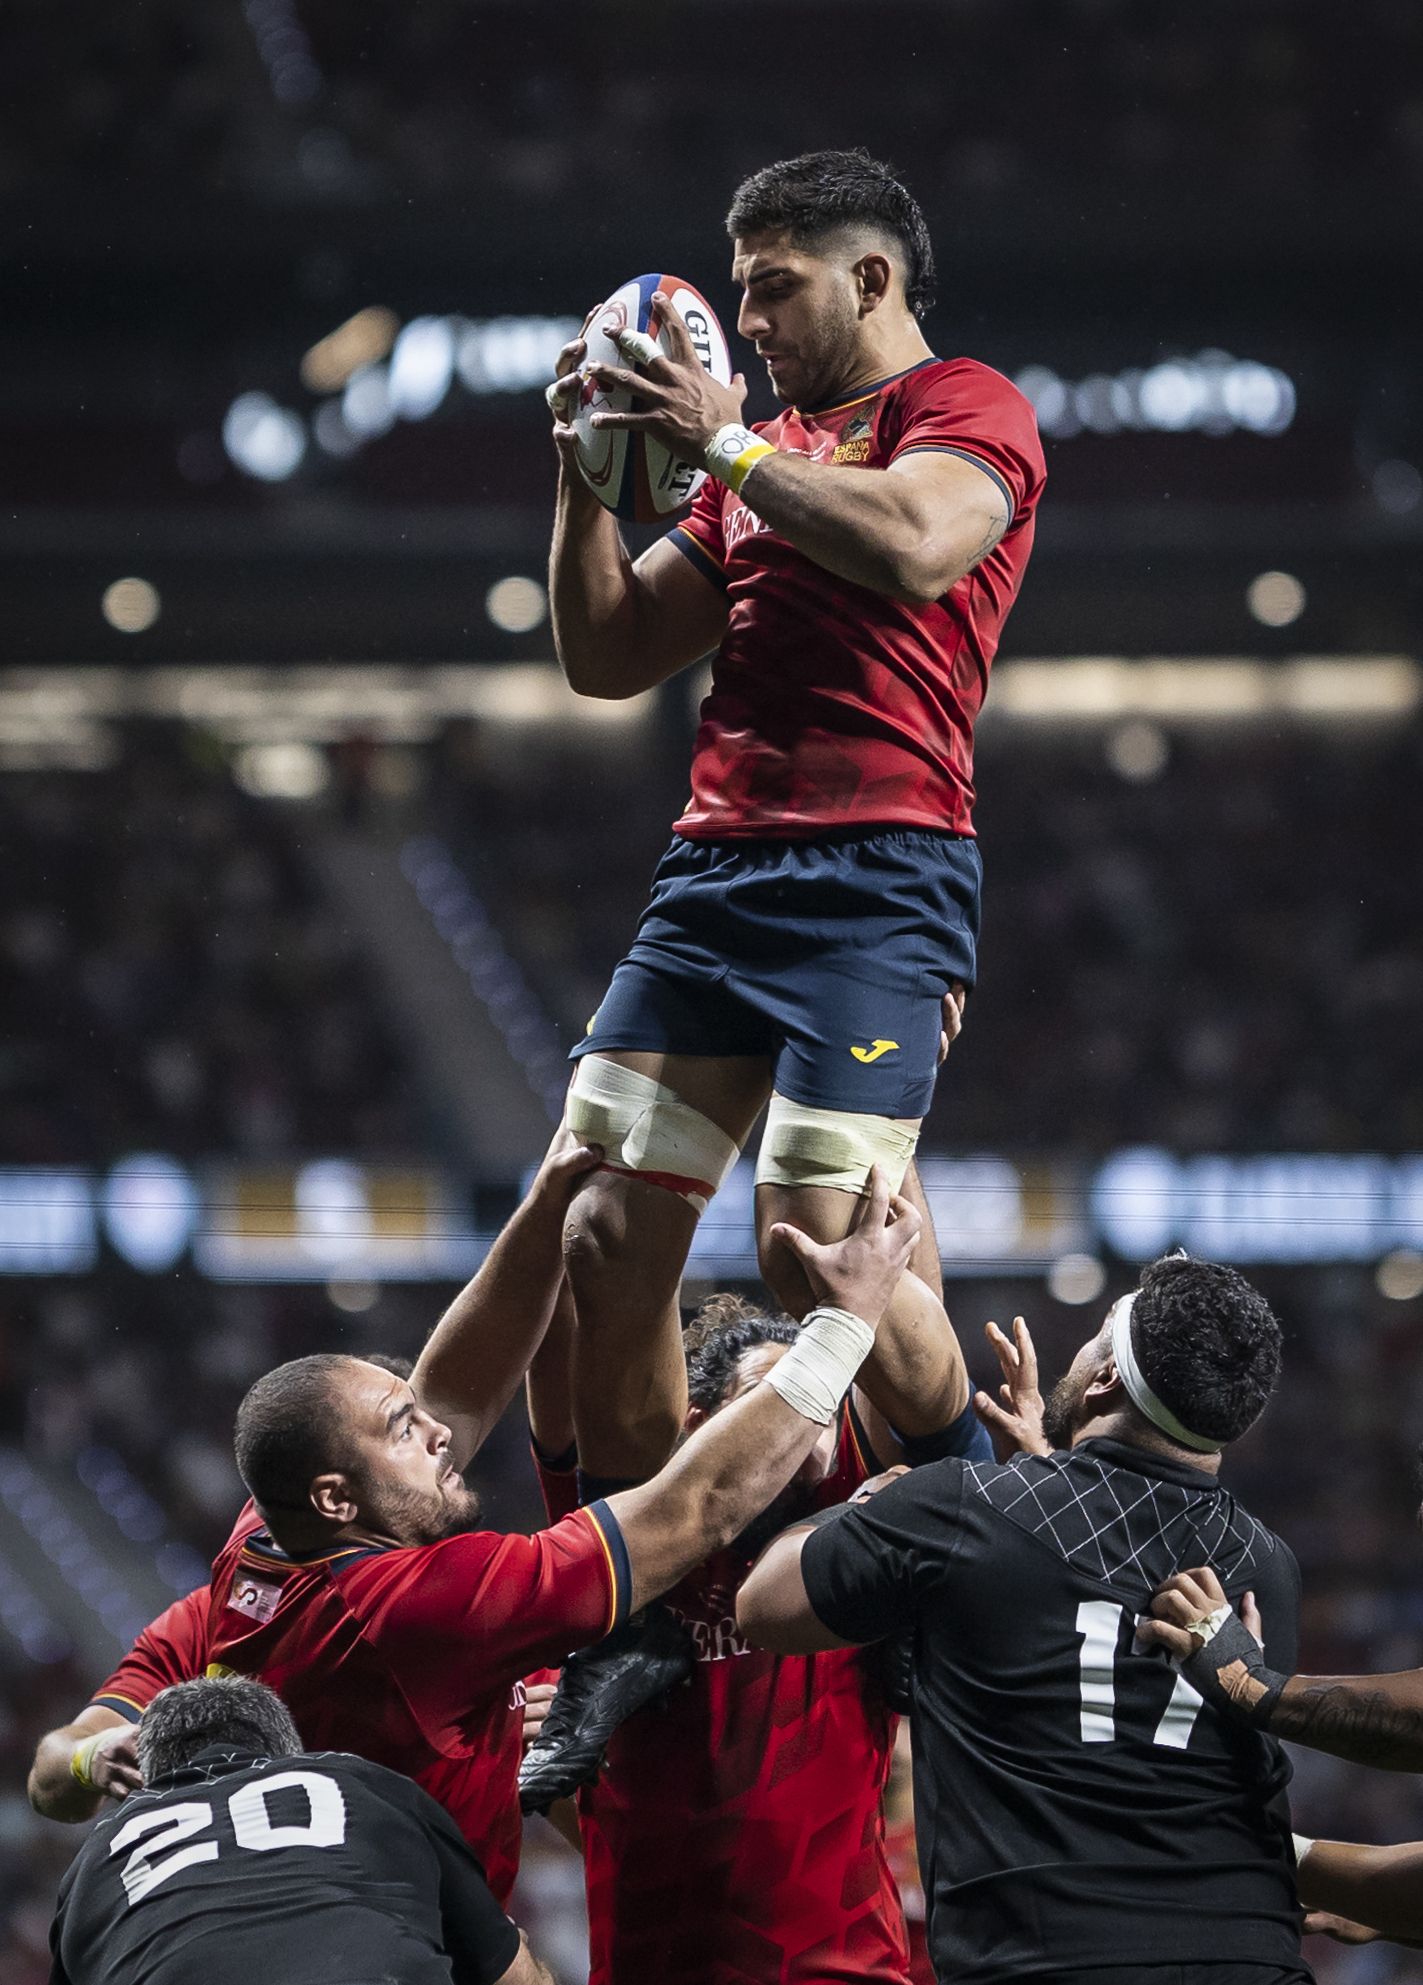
<point x="1353" y="1721"/>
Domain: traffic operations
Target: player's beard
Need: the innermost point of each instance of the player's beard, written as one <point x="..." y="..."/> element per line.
<point x="821" y="356"/>
<point x="1062" y="1410"/>
<point x="421" y="1516"/>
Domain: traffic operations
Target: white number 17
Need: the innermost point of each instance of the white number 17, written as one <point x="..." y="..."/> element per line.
<point x="1098" y="1627"/>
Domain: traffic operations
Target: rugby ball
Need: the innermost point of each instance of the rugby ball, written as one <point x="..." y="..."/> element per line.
<point x="635" y="476"/>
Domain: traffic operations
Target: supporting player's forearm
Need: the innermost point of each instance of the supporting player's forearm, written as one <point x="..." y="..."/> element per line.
<point x="53" y="1789"/>
<point x="727" y="1473"/>
<point x="865" y="525"/>
<point x="1381" y="1887"/>
<point x="1368" y="1719"/>
<point x="549" y="1388"/>
<point x="593" y="597"/>
<point x="481" y="1348"/>
<point x="739" y="1461"/>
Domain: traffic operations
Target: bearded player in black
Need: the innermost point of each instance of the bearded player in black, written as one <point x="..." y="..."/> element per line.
<point x="1081" y="1814"/>
<point x="246" y="1859"/>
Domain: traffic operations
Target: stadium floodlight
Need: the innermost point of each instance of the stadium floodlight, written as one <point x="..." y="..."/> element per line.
<point x="263" y="439"/>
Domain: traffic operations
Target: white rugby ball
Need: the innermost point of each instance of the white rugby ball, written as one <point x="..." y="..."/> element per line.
<point x="635" y="476"/>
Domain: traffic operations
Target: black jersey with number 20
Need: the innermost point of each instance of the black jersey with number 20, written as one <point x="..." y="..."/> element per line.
<point x="1076" y="1803"/>
<point x="318" y="1869"/>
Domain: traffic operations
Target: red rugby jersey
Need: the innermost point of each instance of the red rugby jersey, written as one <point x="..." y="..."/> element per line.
<point x="904" y="1860"/>
<point x="414" y="1657"/>
<point x="172" y="1648"/>
<point x="832" y="706"/>
<point x="736" y="1833"/>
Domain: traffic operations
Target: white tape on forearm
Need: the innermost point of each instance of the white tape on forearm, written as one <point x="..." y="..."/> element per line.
<point x="1303" y="1843"/>
<point x="820" y="1367"/>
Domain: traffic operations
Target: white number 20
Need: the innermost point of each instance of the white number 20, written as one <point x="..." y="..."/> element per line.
<point x="159" y="1833"/>
<point x="1098" y="1624"/>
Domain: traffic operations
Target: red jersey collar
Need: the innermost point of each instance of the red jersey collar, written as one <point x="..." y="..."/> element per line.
<point x="866" y="392"/>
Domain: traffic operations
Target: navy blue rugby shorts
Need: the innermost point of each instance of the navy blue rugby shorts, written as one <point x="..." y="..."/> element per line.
<point x="830" y="957"/>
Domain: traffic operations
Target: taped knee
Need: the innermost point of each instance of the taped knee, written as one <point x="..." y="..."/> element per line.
<point x="802" y="1146"/>
<point x="647" y="1132"/>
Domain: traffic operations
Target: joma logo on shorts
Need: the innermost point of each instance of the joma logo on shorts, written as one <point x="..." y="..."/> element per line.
<point x="874" y="1051"/>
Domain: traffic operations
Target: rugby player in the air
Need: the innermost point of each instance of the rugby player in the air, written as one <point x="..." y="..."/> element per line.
<point x="852" y="565"/>
<point x="356" y="1585"/>
<point x="1080" y="1813"/>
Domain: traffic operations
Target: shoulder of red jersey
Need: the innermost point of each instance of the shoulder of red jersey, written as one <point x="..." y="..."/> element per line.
<point x="172" y="1648"/>
<point x="962" y="407"/>
<point x="248" y="1524"/>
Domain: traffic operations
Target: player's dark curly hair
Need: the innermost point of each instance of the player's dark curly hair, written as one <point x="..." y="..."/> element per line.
<point x="227" y="1710"/>
<point x="718" y="1337"/>
<point x="814" y="195"/>
<point x="1207" y="1343"/>
<point x="289" y="1429"/>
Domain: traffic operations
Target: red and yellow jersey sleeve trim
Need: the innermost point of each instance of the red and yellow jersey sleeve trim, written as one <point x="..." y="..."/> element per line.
<point x="699" y="555"/>
<point x="609" y="1534"/>
<point x="123" y="1706"/>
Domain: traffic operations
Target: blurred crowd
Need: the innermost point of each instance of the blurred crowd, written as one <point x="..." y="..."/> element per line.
<point x="1219" y="955"/>
<point x="169" y="978"/>
<point x="1280" y="101"/>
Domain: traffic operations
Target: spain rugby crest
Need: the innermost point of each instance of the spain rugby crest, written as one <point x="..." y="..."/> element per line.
<point x="856" y="439"/>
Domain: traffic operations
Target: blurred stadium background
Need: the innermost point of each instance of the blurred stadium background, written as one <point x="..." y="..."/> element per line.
<point x="313" y="870"/>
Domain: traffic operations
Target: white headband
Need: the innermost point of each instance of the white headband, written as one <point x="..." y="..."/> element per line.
<point x="1138" y="1391"/>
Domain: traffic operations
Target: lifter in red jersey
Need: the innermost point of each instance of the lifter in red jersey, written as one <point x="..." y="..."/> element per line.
<point x="736" y="1830"/>
<point x="356" y="1585"/>
<point x="851" y="563"/>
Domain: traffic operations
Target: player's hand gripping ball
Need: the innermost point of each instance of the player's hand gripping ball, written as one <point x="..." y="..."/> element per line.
<point x="634" y="474"/>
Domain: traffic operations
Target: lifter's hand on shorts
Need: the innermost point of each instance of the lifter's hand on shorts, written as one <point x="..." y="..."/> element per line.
<point x="861" y="1272"/>
<point x="952" y="1025"/>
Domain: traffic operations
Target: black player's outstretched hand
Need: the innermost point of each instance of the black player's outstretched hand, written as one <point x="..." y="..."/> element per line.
<point x="1015" y="1425"/>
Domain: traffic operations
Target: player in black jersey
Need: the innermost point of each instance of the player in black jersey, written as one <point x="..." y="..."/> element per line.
<point x="245" y="1860"/>
<point x="1080" y="1812"/>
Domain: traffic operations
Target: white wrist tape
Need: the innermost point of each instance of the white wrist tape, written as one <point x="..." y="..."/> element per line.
<point x="819" y="1368"/>
<point x="1210" y="1624"/>
<point x="1303" y="1843"/>
<point x="733" y="452"/>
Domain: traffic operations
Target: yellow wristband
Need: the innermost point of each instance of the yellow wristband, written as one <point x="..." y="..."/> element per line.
<point x="82" y="1757"/>
<point x="733" y="452"/>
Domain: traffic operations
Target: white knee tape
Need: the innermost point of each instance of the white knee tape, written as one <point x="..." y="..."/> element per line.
<point x="806" y="1146"/>
<point x="647" y="1131"/>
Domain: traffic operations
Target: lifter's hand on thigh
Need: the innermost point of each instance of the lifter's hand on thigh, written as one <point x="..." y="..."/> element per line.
<point x="861" y="1272"/>
<point x="952" y="1010"/>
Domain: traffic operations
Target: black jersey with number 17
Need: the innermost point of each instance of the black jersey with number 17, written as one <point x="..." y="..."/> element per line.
<point x="1077" y="1805"/>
